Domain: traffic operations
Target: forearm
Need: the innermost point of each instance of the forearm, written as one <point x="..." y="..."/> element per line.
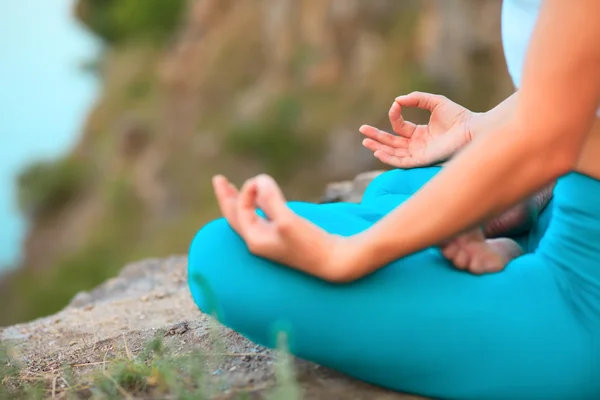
<point x="483" y="123"/>
<point x="485" y="171"/>
<point x="534" y="147"/>
<point x="519" y="218"/>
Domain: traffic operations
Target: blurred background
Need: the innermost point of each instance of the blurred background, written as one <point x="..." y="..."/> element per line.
<point x="116" y="113"/>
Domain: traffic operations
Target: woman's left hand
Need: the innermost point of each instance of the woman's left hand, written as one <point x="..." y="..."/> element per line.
<point x="281" y="235"/>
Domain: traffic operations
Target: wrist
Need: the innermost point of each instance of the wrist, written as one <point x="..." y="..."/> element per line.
<point x="484" y="122"/>
<point x="476" y="125"/>
<point x="348" y="259"/>
<point x="334" y="266"/>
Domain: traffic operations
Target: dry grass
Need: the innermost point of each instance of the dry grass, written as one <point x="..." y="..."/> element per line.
<point x="152" y="371"/>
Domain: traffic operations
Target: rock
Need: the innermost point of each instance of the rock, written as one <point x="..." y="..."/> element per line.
<point x="152" y="296"/>
<point x="344" y="154"/>
<point x="178" y="329"/>
<point x="349" y="191"/>
<point x="160" y="277"/>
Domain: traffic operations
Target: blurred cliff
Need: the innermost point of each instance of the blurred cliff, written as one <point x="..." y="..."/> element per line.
<point x="192" y="88"/>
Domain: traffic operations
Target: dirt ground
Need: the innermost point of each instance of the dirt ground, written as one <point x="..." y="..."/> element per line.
<point x="149" y="297"/>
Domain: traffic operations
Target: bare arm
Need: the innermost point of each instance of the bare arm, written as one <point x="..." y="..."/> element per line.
<point x="483" y="123"/>
<point x="475" y="126"/>
<point x="499" y="169"/>
<point x="480" y="124"/>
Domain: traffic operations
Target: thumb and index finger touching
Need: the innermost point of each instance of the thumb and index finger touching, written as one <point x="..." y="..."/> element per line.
<point x="239" y="207"/>
<point x="401" y="127"/>
<point x="423" y="100"/>
<point x="270" y="198"/>
<point x="262" y="191"/>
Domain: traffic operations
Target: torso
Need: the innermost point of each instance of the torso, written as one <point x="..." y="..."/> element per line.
<point x="518" y="21"/>
<point x="589" y="159"/>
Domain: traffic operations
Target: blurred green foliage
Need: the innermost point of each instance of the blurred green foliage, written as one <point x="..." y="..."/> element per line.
<point x="286" y="136"/>
<point x="276" y="138"/>
<point x="102" y="257"/>
<point x="117" y="21"/>
<point x="286" y="133"/>
<point x="46" y="186"/>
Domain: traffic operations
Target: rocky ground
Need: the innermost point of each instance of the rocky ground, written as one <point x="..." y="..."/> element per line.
<point x="149" y="299"/>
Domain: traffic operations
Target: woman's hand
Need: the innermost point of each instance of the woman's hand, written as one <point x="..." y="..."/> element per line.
<point x="449" y="129"/>
<point x="282" y="235"/>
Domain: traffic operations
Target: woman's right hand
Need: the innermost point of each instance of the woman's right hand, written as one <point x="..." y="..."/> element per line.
<point x="448" y="130"/>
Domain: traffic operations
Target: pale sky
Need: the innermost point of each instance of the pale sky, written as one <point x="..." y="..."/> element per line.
<point x="44" y="97"/>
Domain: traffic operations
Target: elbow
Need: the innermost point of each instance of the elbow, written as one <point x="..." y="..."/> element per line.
<point x="340" y="275"/>
<point x="559" y="158"/>
<point x="350" y="259"/>
<point x="550" y="156"/>
<point x="343" y="265"/>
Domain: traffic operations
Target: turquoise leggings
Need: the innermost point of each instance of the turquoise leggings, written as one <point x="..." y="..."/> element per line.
<point x="416" y="326"/>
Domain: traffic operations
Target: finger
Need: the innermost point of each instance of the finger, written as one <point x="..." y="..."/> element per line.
<point x="383" y="137"/>
<point x="398" y="161"/>
<point x="233" y="189"/>
<point x="426" y="101"/>
<point x="226" y="195"/>
<point x="272" y="201"/>
<point x="399" y="125"/>
<point x="246" y="207"/>
<point x="223" y="187"/>
<point x="376" y="146"/>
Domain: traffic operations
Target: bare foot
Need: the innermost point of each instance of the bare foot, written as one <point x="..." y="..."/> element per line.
<point x="472" y="252"/>
<point x="520" y="217"/>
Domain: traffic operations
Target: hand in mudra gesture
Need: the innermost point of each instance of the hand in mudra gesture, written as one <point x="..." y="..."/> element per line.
<point x="448" y="130"/>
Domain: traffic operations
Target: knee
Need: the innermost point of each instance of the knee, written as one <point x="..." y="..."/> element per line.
<point x="205" y="259"/>
<point x="399" y="181"/>
<point x="207" y="240"/>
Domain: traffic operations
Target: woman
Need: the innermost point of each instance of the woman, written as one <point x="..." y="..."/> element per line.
<point x="363" y="289"/>
<point x="483" y="249"/>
